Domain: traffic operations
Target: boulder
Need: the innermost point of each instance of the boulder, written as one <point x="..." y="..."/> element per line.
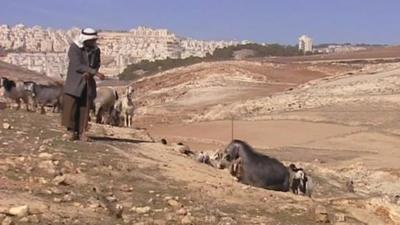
<point x="6" y="126"/>
<point x="19" y="211"/>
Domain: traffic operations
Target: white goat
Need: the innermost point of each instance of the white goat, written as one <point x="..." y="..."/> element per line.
<point x="125" y="107"/>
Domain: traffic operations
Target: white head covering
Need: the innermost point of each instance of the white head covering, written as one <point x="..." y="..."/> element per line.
<point x="85" y="35"/>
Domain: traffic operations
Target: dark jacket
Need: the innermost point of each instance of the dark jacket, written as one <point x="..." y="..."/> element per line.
<point x="81" y="61"/>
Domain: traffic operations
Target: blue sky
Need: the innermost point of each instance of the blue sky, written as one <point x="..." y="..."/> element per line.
<point x="274" y="21"/>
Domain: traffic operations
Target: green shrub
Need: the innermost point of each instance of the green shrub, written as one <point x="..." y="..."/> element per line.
<point x="147" y="68"/>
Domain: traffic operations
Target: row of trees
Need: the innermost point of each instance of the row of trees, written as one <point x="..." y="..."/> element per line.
<point x="147" y="68"/>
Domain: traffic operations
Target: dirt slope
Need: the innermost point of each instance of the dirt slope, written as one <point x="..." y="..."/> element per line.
<point x="180" y="92"/>
<point x="17" y="73"/>
<point x="86" y="183"/>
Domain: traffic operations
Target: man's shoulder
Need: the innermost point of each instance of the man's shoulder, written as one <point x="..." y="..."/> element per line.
<point x="73" y="46"/>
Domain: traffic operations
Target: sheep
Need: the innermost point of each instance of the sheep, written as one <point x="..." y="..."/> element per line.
<point x="15" y="91"/>
<point x="104" y="103"/>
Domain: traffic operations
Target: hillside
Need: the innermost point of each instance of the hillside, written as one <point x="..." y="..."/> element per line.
<point x="242" y="51"/>
<point x="374" y="85"/>
<point x="192" y="89"/>
<point x="386" y="52"/>
<point x="17" y="73"/>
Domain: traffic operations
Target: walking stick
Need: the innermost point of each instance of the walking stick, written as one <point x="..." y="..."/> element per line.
<point x="87" y="110"/>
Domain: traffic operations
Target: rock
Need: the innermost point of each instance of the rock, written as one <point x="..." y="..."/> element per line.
<point x="48" y="166"/>
<point x="126" y="188"/>
<point x="111" y="198"/>
<point x="47" y="141"/>
<point x="33" y="219"/>
<point x="6" y="126"/>
<point x="56" y="191"/>
<point x="19" y="211"/>
<point x="7" y="221"/>
<point x="4" y="168"/>
<point x="159" y="222"/>
<point x="169" y="216"/>
<point x="227" y="220"/>
<point x="186" y="220"/>
<point x="340" y="217"/>
<point x="119" y="209"/>
<point x="24" y="220"/>
<point x="181" y="212"/>
<point x="321" y="214"/>
<point x="38" y="208"/>
<point x="141" y="210"/>
<point x="67" y="198"/>
<point x="211" y="219"/>
<point x="42" y="148"/>
<point x="65" y="137"/>
<point x="139" y="223"/>
<point x="3" y="210"/>
<point x="57" y="200"/>
<point x="61" y="180"/>
<point x="21" y="159"/>
<point x="77" y="204"/>
<point x="94" y="203"/>
<point x="42" y="180"/>
<point x="174" y="203"/>
<point x="45" y="155"/>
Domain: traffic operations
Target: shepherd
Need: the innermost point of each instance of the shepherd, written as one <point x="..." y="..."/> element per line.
<point x="80" y="86"/>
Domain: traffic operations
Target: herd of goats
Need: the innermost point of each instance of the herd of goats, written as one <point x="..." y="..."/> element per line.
<point x="245" y="164"/>
<point x="107" y="108"/>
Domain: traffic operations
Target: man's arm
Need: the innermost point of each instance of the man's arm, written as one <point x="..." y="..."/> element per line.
<point x="74" y="55"/>
<point x="97" y="59"/>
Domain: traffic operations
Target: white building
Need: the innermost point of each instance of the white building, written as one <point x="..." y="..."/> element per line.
<point x="305" y="44"/>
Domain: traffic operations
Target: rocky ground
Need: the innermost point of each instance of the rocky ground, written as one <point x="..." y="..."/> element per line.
<point x="125" y="178"/>
<point x="47" y="180"/>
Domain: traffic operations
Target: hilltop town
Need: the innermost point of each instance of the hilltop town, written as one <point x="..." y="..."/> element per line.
<point x="44" y="50"/>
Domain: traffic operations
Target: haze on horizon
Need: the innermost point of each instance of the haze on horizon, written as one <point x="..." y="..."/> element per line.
<point x="340" y="21"/>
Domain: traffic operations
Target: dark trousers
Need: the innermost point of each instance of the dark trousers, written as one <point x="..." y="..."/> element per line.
<point x="74" y="110"/>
